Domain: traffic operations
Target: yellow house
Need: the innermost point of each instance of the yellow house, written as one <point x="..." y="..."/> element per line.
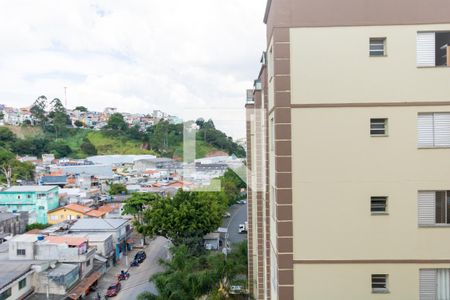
<point x="72" y="212"/>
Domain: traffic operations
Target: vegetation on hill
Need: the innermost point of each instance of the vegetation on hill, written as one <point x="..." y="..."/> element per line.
<point x="52" y="132"/>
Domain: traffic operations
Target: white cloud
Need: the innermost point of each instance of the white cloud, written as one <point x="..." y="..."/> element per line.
<point x="175" y="55"/>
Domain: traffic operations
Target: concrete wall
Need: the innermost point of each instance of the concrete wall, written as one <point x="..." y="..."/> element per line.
<point x="332" y="65"/>
<point x="15" y="245"/>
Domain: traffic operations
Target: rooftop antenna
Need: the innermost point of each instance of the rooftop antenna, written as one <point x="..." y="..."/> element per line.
<point x="65" y="96"/>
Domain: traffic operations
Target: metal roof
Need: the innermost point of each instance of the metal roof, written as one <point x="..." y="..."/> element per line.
<point x="11" y="271"/>
<point x="29" y="188"/>
<point x="89" y="224"/>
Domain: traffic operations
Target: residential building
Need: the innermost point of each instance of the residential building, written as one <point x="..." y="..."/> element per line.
<point x="57" y="279"/>
<point x="73" y="212"/>
<point x="16" y="280"/>
<point x="13" y="223"/>
<point x="119" y="229"/>
<point x="36" y="200"/>
<point x="104" y="245"/>
<point x="347" y="134"/>
<point x="62" y="249"/>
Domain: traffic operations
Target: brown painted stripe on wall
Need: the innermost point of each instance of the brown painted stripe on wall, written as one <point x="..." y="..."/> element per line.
<point x="370" y="261"/>
<point x="372" y="104"/>
<point x="283" y="162"/>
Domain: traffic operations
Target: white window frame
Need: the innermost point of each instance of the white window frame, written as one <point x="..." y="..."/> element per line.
<point x="377" y="41"/>
<point x="379" y="198"/>
<point x="376" y="121"/>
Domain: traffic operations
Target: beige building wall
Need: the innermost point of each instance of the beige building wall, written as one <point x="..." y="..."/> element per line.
<point x="332" y="65"/>
<point x="353" y="282"/>
<point x="338" y="166"/>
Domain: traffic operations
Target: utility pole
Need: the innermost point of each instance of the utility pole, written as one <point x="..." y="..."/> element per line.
<point x="65" y="96"/>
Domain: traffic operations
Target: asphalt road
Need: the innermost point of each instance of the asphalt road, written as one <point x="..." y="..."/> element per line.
<point x="238" y="216"/>
<point x="139" y="276"/>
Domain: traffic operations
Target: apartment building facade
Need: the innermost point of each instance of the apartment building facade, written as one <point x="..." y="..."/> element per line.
<point x="348" y="138"/>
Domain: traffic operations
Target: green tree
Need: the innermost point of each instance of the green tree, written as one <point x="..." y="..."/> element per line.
<point x="81" y="108"/>
<point x="135" y="206"/>
<point x="38" y="111"/>
<point x="206" y="276"/>
<point x="186" y="216"/>
<point x="232" y="184"/>
<point x="117" y="189"/>
<point x="88" y="148"/>
<point x="60" y="149"/>
<point x="78" y="124"/>
<point x="39" y="226"/>
<point x="117" y="122"/>
<point x="12" y="170"/>
<point x="59" y="117"/>
<point x="7" y="137"/>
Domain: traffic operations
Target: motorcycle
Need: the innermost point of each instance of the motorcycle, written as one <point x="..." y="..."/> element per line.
<point x="123" y="275"/>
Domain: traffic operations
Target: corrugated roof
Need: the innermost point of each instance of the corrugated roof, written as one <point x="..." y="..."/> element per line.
<point x="77" y="207"/>
<point x="11" y="271"/>
<point x="97" y="224"/>
<point x="66" y="239"/>
<point x="96" y="213"/>
<point x="30" y="188"/>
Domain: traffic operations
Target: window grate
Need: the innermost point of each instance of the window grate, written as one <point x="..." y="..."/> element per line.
<point x="378" y="204"/>
<point x="378" y="127"/>
<point x="377" y="47"/>
<point x="379" y="283"/>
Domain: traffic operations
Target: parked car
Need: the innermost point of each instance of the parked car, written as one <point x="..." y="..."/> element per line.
<point x="242" y="202"/>
<point x="243" y="227"/>
<point x="113" y="290"/>
<point x="140" y="256"/>
<point x="226" y="215"/>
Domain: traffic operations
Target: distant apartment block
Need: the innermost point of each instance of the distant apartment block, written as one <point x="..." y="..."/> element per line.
<point x="348" y="138"/>
<point x="36" y="200"/>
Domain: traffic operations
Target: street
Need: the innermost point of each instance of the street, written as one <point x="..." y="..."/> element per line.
<point x="238" y="216"/>
<point x="139" y="276"/>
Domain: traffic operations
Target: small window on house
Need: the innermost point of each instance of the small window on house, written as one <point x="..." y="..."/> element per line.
<point x="6" y="294"/>
<point x="378" y="205"/>
<point x="88" y="263"/>
<point x="378" y="127"/>
<point x="21" y="252"/>
<point x="22" y="283"/>
<point x="380" y="283"/>
<point x="377" y="47"/>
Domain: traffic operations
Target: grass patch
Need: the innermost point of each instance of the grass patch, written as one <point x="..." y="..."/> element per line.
<point x="115" y="145"/>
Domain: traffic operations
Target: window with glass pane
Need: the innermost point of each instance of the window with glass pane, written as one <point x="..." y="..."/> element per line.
<point x="442" y="207"/>
<point x="378" y="126"/>
<point x="377" y="47"/>
<point x="378" y="204"/>
<point x="6" y="294"/>
<point x="22" y="283"/>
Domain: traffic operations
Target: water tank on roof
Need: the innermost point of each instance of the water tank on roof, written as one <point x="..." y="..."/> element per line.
<point x="40" y="238"/>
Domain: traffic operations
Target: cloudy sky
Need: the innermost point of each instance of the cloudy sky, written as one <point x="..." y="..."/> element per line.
<point x="188" y="58"/>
